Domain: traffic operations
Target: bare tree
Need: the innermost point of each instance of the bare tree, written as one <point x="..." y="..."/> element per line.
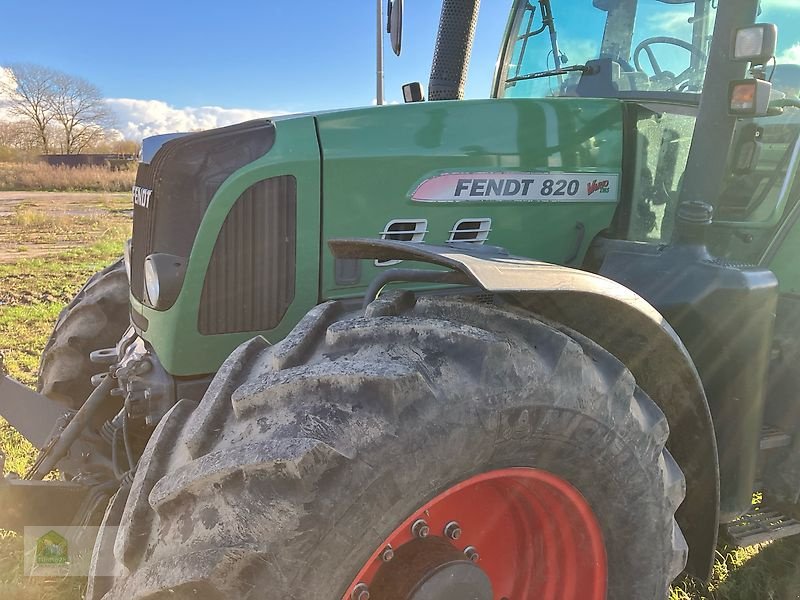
<point x="29" y="93"/>
<point x="20" y="135"/>
<point x="80" y="111"/>
<point x="66" y="112"/>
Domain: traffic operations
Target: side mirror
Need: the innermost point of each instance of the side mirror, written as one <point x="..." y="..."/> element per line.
<point x="755" y="44"/>
<point x="412" y="92"/>
<point x="395" y="25"/>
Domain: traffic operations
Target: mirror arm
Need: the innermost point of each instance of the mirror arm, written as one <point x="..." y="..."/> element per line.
<point x="379" y="56"/>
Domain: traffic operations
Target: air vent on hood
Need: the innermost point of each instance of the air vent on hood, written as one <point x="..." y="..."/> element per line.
<point x="474" y="231"/>
<point x="403" y="230"/>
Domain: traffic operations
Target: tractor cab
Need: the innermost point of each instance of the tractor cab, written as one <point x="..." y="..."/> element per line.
<point x="612" y="48"/>
<point x="656" y="56"/>
<point x="705" y="229"/>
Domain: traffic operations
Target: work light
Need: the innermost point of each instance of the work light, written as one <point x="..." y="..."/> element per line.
<point x="750" y="97"/>
<point x="755" y="44"/>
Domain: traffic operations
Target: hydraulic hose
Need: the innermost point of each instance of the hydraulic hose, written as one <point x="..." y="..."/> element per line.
<point x="71" y="432"/>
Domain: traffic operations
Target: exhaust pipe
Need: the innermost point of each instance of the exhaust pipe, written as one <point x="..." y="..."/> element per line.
<point x="453" y="49"/>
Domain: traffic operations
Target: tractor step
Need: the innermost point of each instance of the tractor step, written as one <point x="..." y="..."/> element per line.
<point x="761" y="525"/>
<point x="772" y="437"/>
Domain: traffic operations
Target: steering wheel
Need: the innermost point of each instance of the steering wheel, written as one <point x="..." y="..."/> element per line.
<point x="659" y="73"/>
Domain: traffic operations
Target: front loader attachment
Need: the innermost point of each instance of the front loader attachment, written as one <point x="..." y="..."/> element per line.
<point x="23" y="502"/>
<point x="33" y="415"/>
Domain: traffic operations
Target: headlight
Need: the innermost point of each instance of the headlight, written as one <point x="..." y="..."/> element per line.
<point x="126" y="257"/>
<point x="163" y="279"/>
<point x="151" y="282"/>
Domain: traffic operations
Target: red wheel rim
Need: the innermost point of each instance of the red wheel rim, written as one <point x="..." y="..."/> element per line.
<point x="535" y="536"/>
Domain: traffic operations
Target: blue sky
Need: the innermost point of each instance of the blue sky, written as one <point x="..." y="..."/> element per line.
<point x="170" y="65"/>
<point x="264" y="54"/>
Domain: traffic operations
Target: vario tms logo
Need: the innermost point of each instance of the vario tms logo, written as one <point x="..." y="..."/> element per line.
<point x="601" y="187"/>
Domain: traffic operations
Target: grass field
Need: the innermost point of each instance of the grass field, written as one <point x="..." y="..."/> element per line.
<point x="51" y="243"/>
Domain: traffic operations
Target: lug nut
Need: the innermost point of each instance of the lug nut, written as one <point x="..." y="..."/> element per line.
<point x="387" y="554"/>
<point x="360" y="592"/>
<point x="471" y="552"/>
<point x="452" y="530"/>
<point x="420" y="529"/>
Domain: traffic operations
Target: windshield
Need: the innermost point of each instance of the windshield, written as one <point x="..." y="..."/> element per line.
<point x="653" y="45"/>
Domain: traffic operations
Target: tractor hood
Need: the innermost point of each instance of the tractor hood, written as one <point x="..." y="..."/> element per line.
<point x="239" y="217"/>
<point x="539" y="177"/>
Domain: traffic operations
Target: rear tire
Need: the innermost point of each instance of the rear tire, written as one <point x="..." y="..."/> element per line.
<point x="95" y="319"/>
<point x="303" y="457"/>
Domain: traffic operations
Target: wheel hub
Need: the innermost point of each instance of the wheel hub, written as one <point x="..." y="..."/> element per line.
<point x="430" y="569"/>
<point x="510" y="533"/>
<point x="459" y="580"/>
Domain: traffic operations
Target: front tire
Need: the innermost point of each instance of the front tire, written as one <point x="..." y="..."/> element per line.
<point x="95" y="319"/>
<point x="303" y="459"/>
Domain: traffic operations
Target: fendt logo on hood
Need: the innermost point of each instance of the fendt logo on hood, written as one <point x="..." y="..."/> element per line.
<point x="141" y="196"/>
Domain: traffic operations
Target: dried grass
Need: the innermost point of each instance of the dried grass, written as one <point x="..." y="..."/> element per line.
<point x="32" y="219"/>
<point x="41" y="176"/>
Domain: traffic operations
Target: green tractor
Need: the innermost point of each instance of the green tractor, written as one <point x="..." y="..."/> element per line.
<point x="537" y="346"/>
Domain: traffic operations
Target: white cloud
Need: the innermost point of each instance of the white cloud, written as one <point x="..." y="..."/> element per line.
<point x="785" y="4"/>
<point x="577" y="51"/>
<point x="6" y="83"/>
<point x="385" y="102"/>
<point x="674" y="21"/>
<point x="790" y="55"/>
<point x="6" y="77"/>
<point x="136" y="118"/>
<point x="141" y="118"/>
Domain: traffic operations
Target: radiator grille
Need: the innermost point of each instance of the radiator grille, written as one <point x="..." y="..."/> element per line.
<point x="250" y="280"/>
<point x="142" y="231"/>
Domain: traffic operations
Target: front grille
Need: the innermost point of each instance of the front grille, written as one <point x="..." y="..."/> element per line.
<point x="250" y="280"/>
<point x="184" y="175"/>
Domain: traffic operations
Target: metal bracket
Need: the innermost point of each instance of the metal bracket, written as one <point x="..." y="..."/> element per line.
<point x="32" y="415"/>
<point x="39" y="503"/>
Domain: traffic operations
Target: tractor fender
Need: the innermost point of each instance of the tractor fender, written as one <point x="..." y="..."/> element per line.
<point x="624" y="324"/>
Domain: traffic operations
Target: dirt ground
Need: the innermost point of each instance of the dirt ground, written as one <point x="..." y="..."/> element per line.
<point x="42" y="224"/>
